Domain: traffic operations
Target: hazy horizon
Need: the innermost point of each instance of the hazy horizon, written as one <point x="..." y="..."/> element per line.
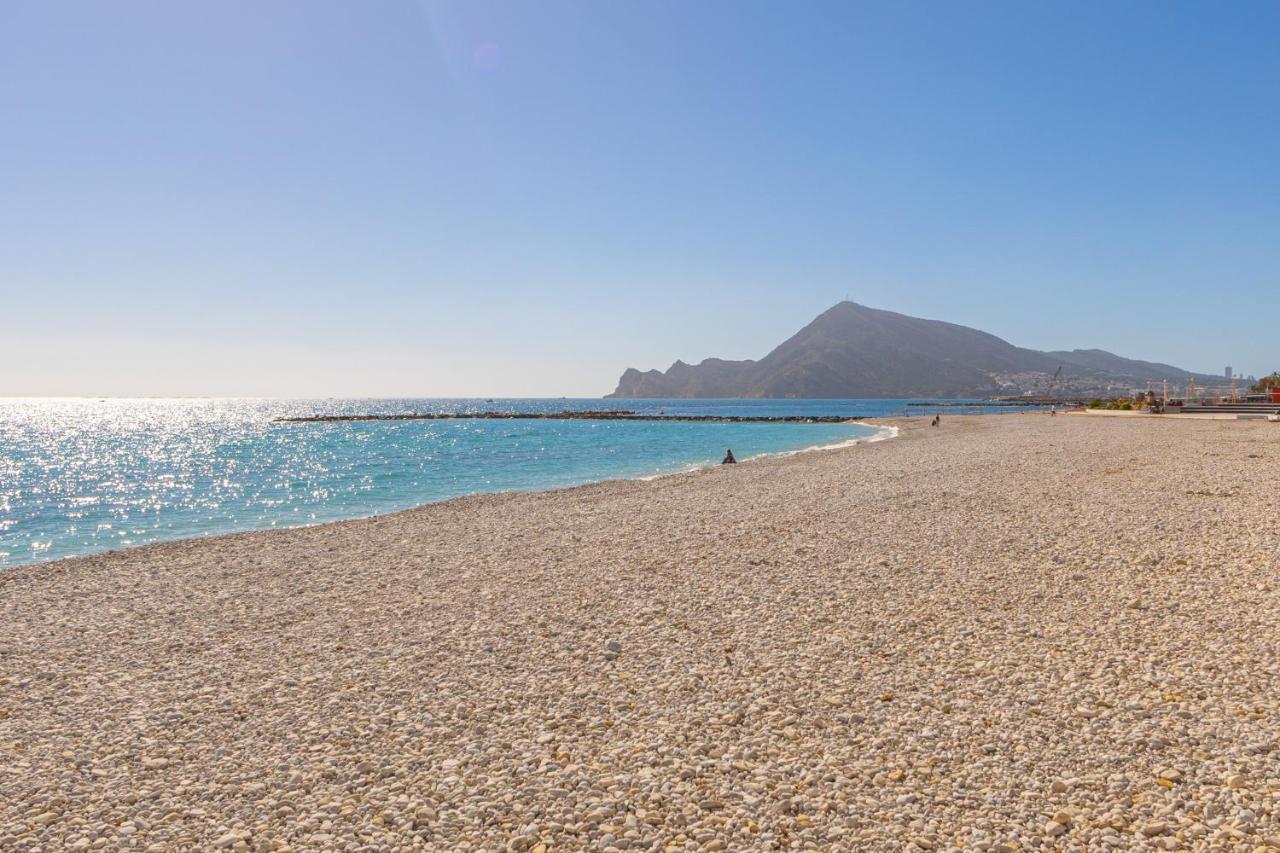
<point x="439" y="199"/>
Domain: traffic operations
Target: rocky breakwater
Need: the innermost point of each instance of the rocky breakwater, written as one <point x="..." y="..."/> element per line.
<point x="600" y="415"/>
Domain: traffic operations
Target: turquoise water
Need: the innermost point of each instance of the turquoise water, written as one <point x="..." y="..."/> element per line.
<point x="79" y="476"/>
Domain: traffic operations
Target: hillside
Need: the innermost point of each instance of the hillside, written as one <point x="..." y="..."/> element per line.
<point x="851" y="350"/>
<point x="1106" y="362"/>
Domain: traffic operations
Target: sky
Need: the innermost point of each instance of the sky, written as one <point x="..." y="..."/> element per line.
<point x="421" y="198"/>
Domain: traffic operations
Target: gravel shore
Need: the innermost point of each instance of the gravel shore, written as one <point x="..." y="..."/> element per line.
<point x="1007" y="633"/>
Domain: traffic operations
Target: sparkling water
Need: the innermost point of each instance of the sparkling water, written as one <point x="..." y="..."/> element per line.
<point x="79" y="476"/>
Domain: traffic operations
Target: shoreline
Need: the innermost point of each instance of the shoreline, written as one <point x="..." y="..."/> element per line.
<point x="1005" y="633"/>
<point x="690" y="468"/>
<point x="883" y="433"/>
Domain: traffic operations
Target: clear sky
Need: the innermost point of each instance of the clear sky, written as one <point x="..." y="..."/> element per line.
<point x="422" y="198"/>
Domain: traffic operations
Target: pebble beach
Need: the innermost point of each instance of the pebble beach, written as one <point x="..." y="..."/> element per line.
<point x="1013" y="632"/>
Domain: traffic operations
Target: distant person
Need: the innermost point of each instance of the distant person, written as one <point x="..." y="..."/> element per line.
<point x="728" y="458"/>
<point x="935" y="420"/>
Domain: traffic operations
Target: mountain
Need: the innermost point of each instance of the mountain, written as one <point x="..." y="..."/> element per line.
<point x="851" y="350"/>
<point x="1107" y="362"/>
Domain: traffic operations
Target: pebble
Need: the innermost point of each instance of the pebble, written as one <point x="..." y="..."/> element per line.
<point x="923" y="643"/>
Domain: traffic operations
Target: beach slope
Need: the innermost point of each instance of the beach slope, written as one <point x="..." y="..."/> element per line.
<point x="1009" y="632"/>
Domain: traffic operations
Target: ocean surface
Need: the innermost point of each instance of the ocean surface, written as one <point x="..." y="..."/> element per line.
<point x="79" y="476"/>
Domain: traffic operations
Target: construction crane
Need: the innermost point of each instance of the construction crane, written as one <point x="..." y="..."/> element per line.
<point x="1052" y="382"/>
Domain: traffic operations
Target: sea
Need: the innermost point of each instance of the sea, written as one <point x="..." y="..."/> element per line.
<point x="80" y="476"/>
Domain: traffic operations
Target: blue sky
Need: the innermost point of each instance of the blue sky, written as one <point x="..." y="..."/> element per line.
<point x="474" y="198"/>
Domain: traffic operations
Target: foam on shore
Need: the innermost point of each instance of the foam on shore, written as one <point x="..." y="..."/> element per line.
<point x="882" y="433"/>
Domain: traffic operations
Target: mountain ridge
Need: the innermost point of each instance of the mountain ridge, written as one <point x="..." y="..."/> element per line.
<point x="851" y="350"/>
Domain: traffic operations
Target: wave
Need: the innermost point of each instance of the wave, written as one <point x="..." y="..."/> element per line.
<point x="882" y="433"/>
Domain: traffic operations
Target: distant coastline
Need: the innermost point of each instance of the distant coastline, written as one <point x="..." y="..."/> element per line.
<point x="852" y="350"/>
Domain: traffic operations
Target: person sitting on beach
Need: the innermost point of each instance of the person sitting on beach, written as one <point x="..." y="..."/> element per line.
<point x="934" y="422"/>
<point x="728" y="458"/>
